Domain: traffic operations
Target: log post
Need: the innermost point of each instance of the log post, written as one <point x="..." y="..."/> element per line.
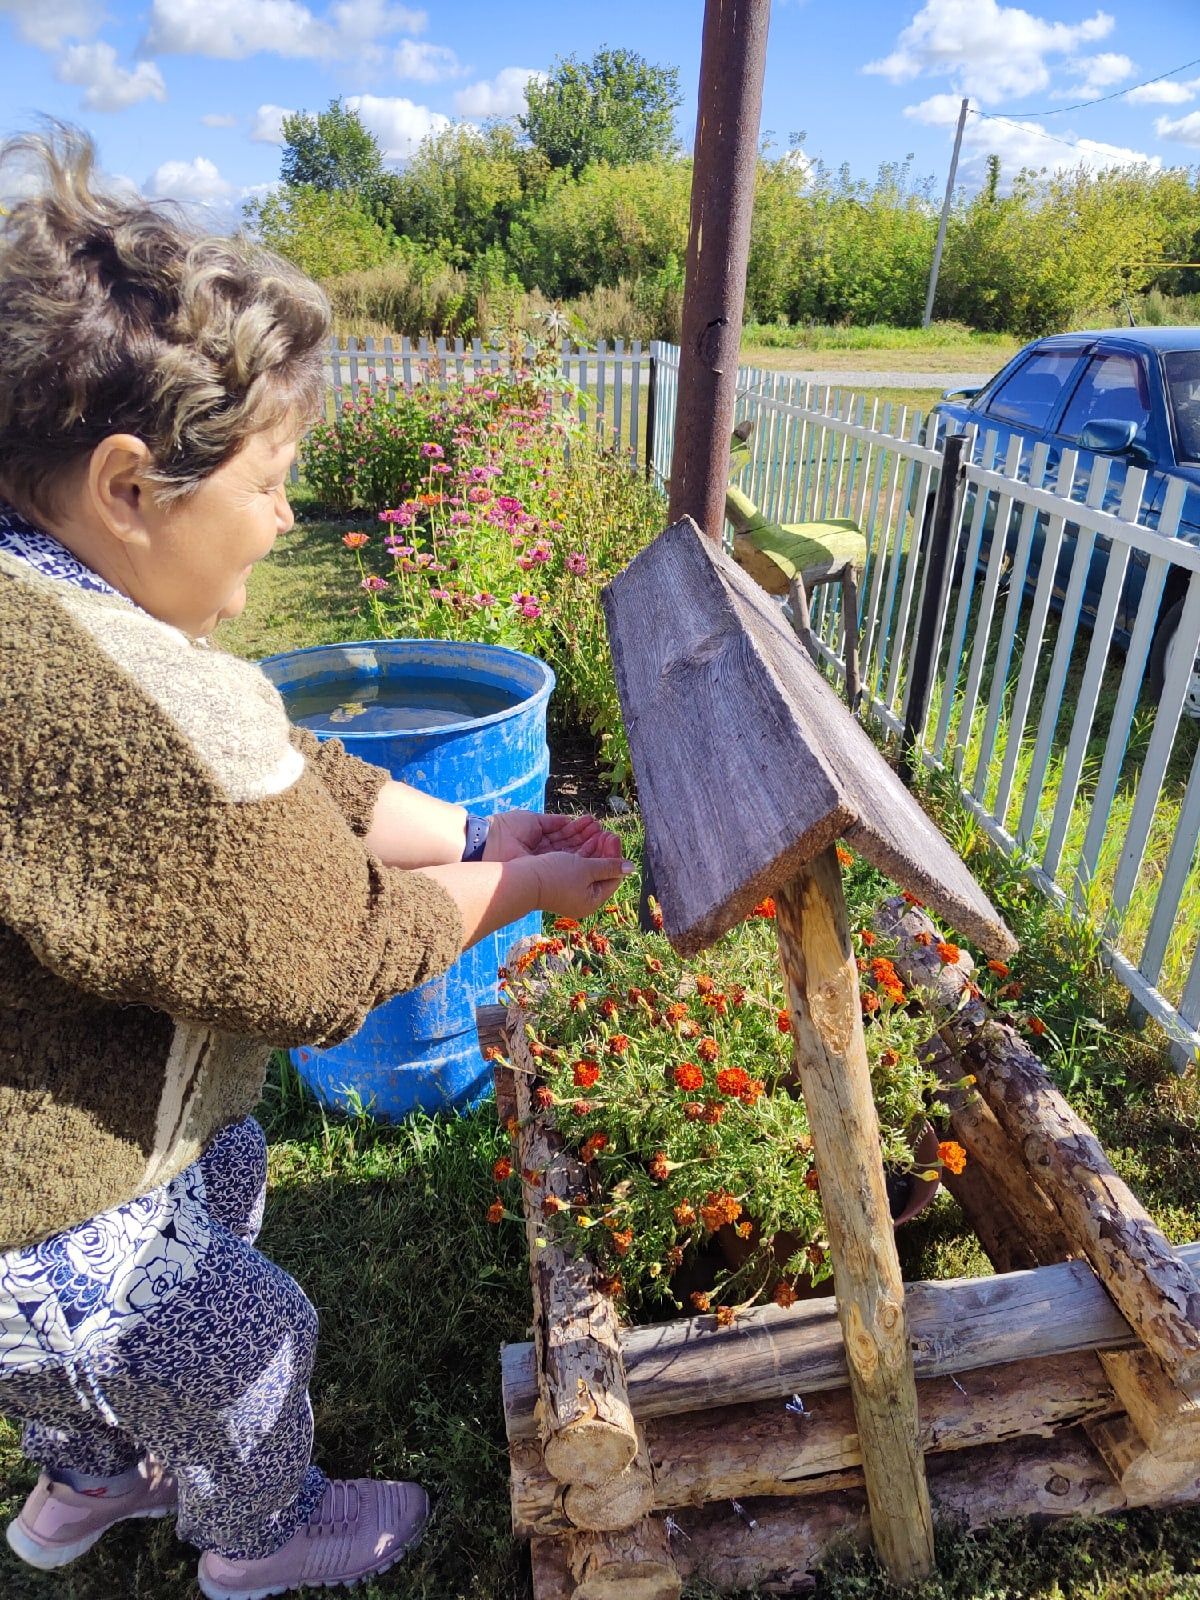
<point x="830" y="1060"/>
<point x="634" y="1565"/>
<point x="1144" y="1476"/>
<point x="586" y="1425"/>
<point x="1167" y="1419"/>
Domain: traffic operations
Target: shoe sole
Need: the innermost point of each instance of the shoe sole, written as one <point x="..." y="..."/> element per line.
<point x="46" y="1558"/>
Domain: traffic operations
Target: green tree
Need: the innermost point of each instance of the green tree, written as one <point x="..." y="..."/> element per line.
<point x="464" y="187"/>
<point x="331" y="151"/>
<point x="617" y="108"/>
<point x="324" y="232"/>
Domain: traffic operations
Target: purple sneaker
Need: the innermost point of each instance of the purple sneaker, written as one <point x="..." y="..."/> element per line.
<point x="361" y="1528"/>
<point x="57" y="1523"/>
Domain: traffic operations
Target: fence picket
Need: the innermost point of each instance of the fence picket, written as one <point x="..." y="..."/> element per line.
<point x="988" y="451"/>
<point x="352" y="352"/>
<point x="635" y="401"/>
<point x="1174" y="878"/>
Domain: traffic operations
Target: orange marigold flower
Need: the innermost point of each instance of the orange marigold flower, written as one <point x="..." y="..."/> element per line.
<point x="844" y="856"/>
<point x="732" y="1080"/>
<point x="687" y="1075"/>
<point x="948" y="953"/>
<point x="634" y="995"/>
<point x="737" y="995"/>
<point x="532" y="1177"/>
<point x="684" y="1214"/>
<point x="354" y="541"/>
<point x="753" y="1092"/>
<point x="599" y="943"/>
<point x="612" y="1287"/>
<point x="675" y="1257"/>
<point x="1000" y="968"/>
<point x="783" y="1021"/>
<point x="870" y="1003"/>
<point x="592" y="1146"/>
<point x="867" y="937"/>
<point x="707" y="1049"/>
<point x="618" y="1044"/>
<point x="952" y="1156"/>
<point x="495" y="1212"/>
<point x="912" y="899"/>
<point x="513" y="1127"/>
<point x="585" y="1073"/>
<point x="815" y="1254"/>
<point x="718" y="1003"/>
<point x="725" y="1316"/>
<point x="551" y="1204"/>
<point x="579" y="1001"/>
<point x="699" y="1299"/>
<point x="889" y="1058"/>
<point x="924" y="937"/>
<point x="765" y="909"/>
<point x="719" y="1207"/>
<point x="744" y="1229"/>
<point x="704" y="984"/>
<point x="622" y="1240"/>
<point x="811" y="1180"/>
<point x="582" y="1108"/>
<point x="609" y="1008"/>
<point x="693" y="1111"/>
<point x="1035" y="1025"/>
<point x="502" y="1169"/>
<point x="690" y="1029"/>
<point x="712" y="1113"/>
<point x="656" y="919"/>
<point x="1012" y="991"/>
<point x="862" y="964"/>
<point x="543" y="1097"/>
<point x="565" y="925"/>
<point x="653" y="964"/>
<point x="659" y="1167"/>
<point x="675" y="1012"/>
<point x="784" y="1294"/>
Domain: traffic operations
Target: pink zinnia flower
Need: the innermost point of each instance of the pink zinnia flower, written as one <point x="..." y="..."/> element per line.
<point x="577" y="563"/>
<point x="483" y="600"/>
<point x="374" y="585"/>
<point x="540" y="552"/>
<point x="432" y="452"/>
<point x="508" y="504"/>
<point x="439" y="594"/>
<point x="531" y="609"/>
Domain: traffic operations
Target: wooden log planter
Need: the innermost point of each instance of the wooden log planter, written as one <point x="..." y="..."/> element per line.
<point x="644" y="1456"/>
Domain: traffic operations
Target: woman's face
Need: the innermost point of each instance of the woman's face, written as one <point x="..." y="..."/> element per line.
<point x="192" y="567"/>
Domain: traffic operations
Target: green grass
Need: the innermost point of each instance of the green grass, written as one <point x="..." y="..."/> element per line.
<point x="384" y="1229"/>
<point x="944" y="347"/>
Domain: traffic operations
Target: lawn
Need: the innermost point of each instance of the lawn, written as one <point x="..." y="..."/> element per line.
<point x="944" y="347"/>
<point x="384" y="1228"/>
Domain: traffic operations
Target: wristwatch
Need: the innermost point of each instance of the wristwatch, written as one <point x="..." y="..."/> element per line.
<point x="477" y="836"/>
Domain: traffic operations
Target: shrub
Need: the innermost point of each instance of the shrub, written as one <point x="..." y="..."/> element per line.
<point x="413" y="292"/>
<point x="325" y="232"/>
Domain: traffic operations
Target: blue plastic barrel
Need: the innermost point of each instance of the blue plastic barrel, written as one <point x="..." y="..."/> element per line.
<point x="421" y="1049"/>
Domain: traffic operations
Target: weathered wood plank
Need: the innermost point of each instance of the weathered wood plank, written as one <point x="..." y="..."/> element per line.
<point x="735" y="1452"/>
<point x="956" y="1326"/>
<point x="634" y="1565"/>
<point x="830" y="1067"/>
<point x="586" y="1426"/>
<point x="728" y="692"/>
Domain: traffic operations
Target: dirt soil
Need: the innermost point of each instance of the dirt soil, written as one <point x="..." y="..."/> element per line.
<point x="575" y="783"/>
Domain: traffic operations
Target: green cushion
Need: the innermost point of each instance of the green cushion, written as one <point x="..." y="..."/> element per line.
<point x="794" y="547"/>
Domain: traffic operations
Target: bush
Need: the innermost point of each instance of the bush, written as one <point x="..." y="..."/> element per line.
<point x="325" y="232"/>
<point x="413" y="292"/>
<point x="489" y="534"/>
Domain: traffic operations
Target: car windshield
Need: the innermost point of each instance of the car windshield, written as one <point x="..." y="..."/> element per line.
<point x="1183" y="387"/>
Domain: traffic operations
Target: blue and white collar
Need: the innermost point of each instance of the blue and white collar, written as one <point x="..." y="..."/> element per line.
<point x="45" y="554"/>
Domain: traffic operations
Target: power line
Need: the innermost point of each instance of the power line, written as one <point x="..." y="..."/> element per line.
<point x="991" y="116"/>
<point x="1057" y="111"/>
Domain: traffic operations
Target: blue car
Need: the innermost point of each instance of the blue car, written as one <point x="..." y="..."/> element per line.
<point x="1129" y="393"/>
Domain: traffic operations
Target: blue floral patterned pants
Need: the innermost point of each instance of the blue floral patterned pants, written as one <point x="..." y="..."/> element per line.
<point x="214" y="1382"/>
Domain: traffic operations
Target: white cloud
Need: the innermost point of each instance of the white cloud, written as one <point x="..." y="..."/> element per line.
<point x="268" y="124"/>
<point x="231" y="30"/>
<point x="1026" y="144"/>
<point x="397" y="123"/>
<point x="1184" y="130"/>
<point x="193" y="182"/>
<point x="1097" y="73"/>
<point x="219" y="119"/>
<point x="985" y="48"/>
<point x="48" y="23"/>
<point x="425" y="63"/>
<point x="1164" y="93"/>
<point x="501" y="96"/>
<point x="940" y="110"/>
<point x="107" y="86"/>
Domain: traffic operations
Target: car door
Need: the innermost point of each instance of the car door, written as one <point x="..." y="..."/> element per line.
<point x="1117" y="385"/>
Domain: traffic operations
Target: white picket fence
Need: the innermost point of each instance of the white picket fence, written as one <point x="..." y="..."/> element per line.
<point x="1051" y="736"/>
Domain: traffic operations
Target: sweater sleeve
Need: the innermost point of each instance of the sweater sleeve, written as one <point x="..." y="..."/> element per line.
<point x="165" y="844"/>
<point x="354" y="785"/>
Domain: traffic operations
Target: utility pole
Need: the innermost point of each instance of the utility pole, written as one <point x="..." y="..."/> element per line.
<point x="941" y="234"/>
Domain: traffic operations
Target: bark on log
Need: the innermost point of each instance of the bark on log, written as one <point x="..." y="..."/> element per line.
<point x="1154" y="1288"/>
<point x="489" y="1025"/>
<point x="739" y="1452"/>
<point x="634" y="1565"/>
<point x="782" y="1551"/>
<point x="831" y="1069"/>
<point x="956" y="1326"/>
<point x="552" y="1579"/>
<point x="586" y="1425"/>
<point x="542" y="1505"/>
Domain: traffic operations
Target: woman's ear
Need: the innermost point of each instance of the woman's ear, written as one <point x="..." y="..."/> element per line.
<point x="117" y="491"/>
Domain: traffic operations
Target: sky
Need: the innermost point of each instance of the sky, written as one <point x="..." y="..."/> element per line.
<point x="184" y="97"/>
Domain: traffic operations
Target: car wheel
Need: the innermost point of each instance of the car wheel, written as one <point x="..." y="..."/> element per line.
<point x="1162" y="656"/>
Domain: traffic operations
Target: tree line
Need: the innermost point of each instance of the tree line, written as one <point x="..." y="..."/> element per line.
<point x="582" y="203"/>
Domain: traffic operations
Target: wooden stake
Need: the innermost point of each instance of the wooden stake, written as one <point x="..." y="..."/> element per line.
<point x="831" y="1067"/>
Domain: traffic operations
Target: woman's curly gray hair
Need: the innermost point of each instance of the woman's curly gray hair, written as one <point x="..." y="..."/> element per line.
<point x="116" y="318"/>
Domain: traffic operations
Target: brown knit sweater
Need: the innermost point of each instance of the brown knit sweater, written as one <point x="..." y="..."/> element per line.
<point x="183" y="884"/>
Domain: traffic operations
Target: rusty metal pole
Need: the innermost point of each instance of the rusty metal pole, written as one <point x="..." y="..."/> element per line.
<point x="732" y="60"/>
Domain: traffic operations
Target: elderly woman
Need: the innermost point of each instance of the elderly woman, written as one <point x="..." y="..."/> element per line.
<point x="187" y="881"/>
